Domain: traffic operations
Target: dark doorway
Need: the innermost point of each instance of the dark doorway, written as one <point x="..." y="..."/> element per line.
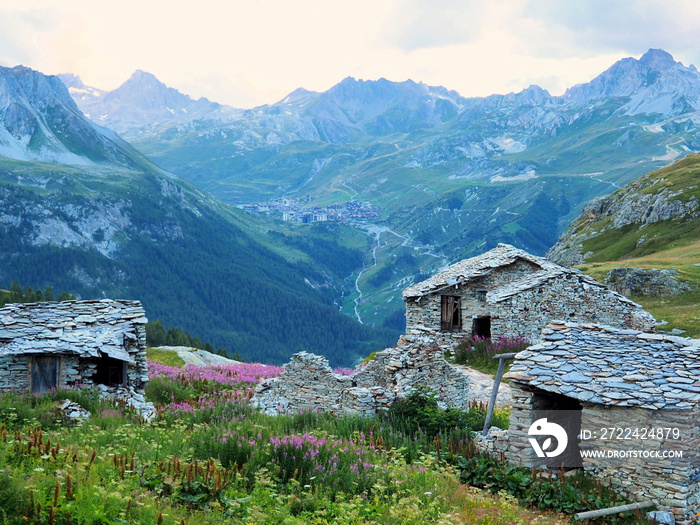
<point x="565" y="412"/>
<point x="109" y="372"/>
<point x="481" y="327"/>
<point x="45" y="371"/>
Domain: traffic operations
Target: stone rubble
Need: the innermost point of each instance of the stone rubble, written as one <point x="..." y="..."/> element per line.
<point x="308" y="383"/>
<point x="73" y="410"/>
<point x="494" y="443"/>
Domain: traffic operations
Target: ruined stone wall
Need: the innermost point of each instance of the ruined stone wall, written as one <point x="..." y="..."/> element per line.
<point x="309" y="384"/>
<point x="669" y="482"/>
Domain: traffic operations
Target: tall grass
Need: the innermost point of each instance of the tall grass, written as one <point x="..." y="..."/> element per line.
<point x="209" y="458"/>
<point x="478" y="352"/>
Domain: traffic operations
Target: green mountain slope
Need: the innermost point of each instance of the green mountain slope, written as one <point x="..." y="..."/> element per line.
<point x="652" y="222"/>
<point x="81" y="210"/>
<point x="192" y="261"/>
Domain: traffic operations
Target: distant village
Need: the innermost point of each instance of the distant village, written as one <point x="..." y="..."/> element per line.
<point x="295" y="210"/>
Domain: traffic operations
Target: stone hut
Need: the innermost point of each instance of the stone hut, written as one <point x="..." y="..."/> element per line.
<point x="631" y="399"/>
<point x="98" y="343"/>
<point x="508" y="292"/>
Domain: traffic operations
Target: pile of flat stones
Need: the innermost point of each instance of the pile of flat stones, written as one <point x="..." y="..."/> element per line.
<point x="73" y="410"/>
<point x="308" y="383"/>
<point x="132" y="398"/>
<point x="494" y="443"/>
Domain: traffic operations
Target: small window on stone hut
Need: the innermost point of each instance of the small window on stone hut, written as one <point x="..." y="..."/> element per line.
<point x="481" y="295"/>
<point x="451" y="316"/>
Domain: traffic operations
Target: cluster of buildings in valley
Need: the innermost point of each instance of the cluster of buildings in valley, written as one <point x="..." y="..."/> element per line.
<point x="296" y="210"/>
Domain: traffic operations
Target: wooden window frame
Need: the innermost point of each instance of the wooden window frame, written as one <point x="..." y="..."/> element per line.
<point x="450" y="313"/>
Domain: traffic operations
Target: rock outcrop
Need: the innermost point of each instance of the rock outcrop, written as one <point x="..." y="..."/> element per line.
<point x="618" y="210"/>
<point x="639" y="281"/>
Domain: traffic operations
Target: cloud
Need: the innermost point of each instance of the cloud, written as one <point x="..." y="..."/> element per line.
<point x="555" y="29"/>
<point x="17" y="29"/>
<point x="46" y="39"/>
<point x="421" y="24"/>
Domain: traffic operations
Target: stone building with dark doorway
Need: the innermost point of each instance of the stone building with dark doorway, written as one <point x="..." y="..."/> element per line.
<point x="632" y="399"/>
<point x="51" y="345"/>
<point x="508" y="292"/>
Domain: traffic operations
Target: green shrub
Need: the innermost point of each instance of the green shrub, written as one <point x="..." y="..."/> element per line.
<point x="544" y="491"/>
<point x="478" y="352"/>
<point x="420" y="411"/>
<point x="14" y="498"/>
<point x="162" y="391"/>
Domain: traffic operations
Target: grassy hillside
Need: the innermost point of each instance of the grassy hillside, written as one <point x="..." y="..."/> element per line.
<point x="671" y="243"/>
<point x="210" y="458"/>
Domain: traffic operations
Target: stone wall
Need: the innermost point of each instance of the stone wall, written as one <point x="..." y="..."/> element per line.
<point x="308" y="382"/>
<point x="565" y="297"/>
<point x="670" y="483"/>
<point x="14" y="372"/>
<point x="423" y="314"/>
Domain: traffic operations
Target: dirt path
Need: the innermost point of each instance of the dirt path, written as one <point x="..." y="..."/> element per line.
<point x="481" y="386"/>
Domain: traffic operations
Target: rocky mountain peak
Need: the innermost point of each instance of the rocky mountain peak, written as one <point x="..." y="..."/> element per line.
<point x="655" y="83"/>
<point x="34" y="88"/>
<point x="657" y="60"/>
<point x="72" y="81"/>
<point x="141" y="81"/>
<point x="142" y="100"/>
<point x="40" y="121"/>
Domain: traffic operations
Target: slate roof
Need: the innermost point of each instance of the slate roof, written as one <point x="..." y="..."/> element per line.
<point x="503" y="255"/>
<point x="86" y="328"/>
<point x="611" y="366"/>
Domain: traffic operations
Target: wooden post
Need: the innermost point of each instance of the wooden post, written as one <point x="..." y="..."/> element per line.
<point x="497" y="381"/>
<point x="612" y="510"/>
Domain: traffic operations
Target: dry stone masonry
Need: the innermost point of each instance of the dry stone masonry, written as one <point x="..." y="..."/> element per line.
<point x="621" y="379"/>
<point x="98" y="343"/>
<point x="508" y="292"/>
<point x="308" y="383"/>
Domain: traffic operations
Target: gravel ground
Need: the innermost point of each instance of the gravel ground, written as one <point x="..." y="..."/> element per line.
<point x="481" y="386"/>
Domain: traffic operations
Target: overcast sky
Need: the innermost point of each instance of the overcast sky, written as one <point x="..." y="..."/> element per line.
<point x="250" y="52"/>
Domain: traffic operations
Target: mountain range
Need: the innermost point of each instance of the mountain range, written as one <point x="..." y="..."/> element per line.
<point x="82" y="210"/>
<point x="452" y="176"/>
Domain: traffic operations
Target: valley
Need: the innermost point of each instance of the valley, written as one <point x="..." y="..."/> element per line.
<point x="447" y="174"/>
<point x="381" y="184"/>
